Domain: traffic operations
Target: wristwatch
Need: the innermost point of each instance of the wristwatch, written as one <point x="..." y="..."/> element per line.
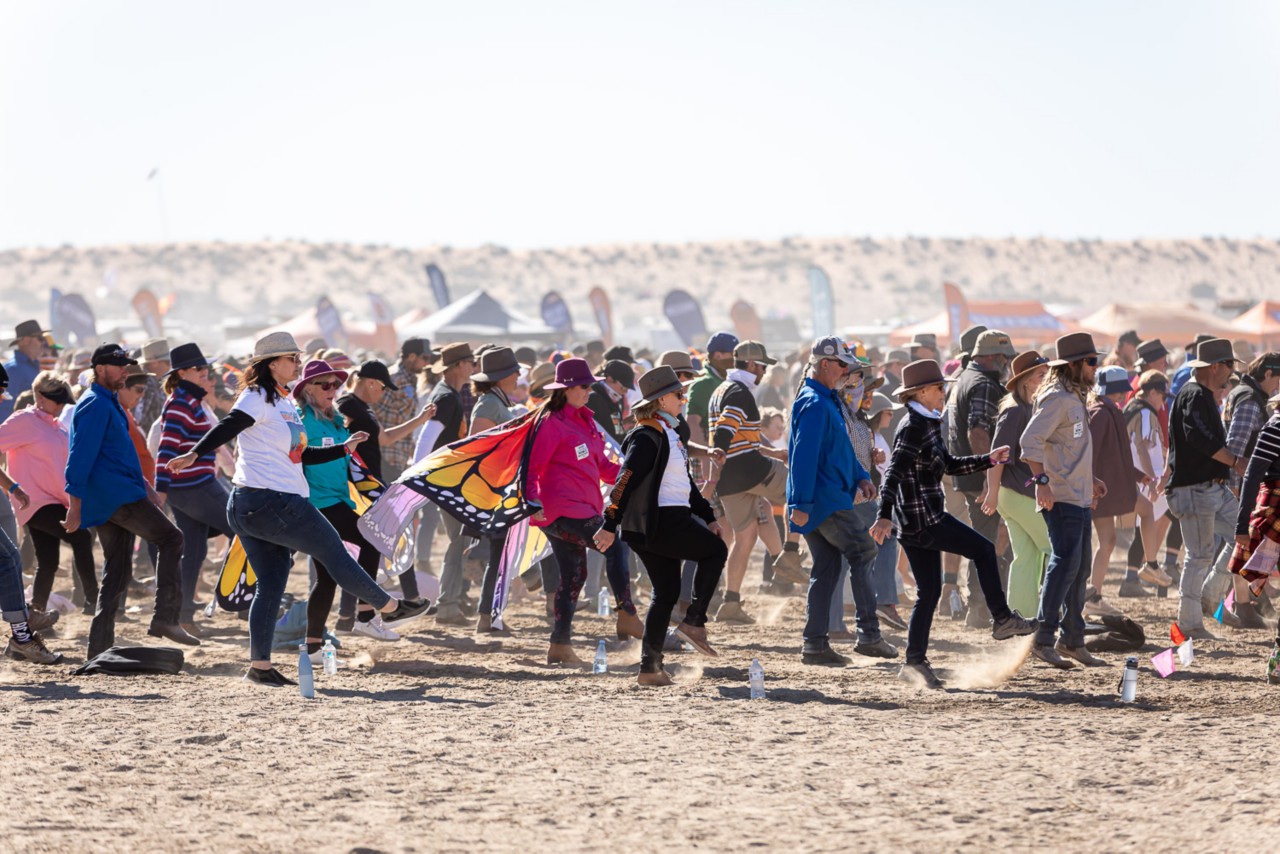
<point x="1041" y="479"/>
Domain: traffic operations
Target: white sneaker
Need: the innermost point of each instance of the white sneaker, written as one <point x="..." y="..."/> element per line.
<point x="374" y="629"/>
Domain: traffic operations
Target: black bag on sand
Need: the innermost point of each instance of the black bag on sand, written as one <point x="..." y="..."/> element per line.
<point x="132" y="660"/>
<point x="1116" y="633"/>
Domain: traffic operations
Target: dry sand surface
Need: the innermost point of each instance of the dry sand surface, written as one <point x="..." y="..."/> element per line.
<point x="440" y="742"/>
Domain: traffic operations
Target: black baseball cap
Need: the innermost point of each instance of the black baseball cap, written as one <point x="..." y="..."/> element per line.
<point x="375" y="370"/>
<point x="620" y="372"/>
<point x="416" y="347"/>
<point x="112" y="354"/>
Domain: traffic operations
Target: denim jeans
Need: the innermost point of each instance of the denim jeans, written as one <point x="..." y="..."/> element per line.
<point x="1067" y="577"/>
<point x="8" y="522"/>
<point x="12" y="600"/>
<point x="924" y="552"/>
<point x="884" y="576"/>
<point x="867" y="512"/>
<point x="272" y="525"/>
<point x="144" y="520"/>
<point x="197" y="511"/>
<point x="841" y="534"/>
<point x="1204" y="511"/>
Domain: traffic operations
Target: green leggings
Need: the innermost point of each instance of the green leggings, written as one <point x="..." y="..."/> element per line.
<point x="1029" y="537"/>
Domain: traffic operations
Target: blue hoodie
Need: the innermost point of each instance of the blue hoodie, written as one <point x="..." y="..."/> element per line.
<point x="823" y="474"/>
<point x="102" y="465"/>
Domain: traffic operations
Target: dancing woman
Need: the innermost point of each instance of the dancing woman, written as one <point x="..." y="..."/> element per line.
<point x="269" y="509"/>
<point x="36" y="443"/>
<point x="655" y="503"/>
<point x="196" y="497"/>
<point x="912" y="499"/>
<point x="567" y="464"/>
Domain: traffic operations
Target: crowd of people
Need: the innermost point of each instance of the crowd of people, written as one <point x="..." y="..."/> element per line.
<point x="871" y="479"/>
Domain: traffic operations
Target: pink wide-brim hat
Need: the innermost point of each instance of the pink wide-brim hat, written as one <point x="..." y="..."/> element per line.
<point x="315" y="369"/>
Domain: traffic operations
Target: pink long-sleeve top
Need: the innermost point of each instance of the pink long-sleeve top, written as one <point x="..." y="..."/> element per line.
<point x="36" y="444"/>
<point x="567" y="466"/>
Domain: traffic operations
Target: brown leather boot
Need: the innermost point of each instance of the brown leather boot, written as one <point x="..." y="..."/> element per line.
<point x="629" y="626"/>
<point x="562" y="653"/>
<point x="652" y="674"/>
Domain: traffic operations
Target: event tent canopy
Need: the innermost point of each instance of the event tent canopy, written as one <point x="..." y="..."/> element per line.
<point x="1260" y="325"/>
<point x="1175" y="324"/>
<point x="478" y="317"/>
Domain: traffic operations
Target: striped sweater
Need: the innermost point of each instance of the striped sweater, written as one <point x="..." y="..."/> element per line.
<point x="735" y="425"/>
<point x="184" y="421"/>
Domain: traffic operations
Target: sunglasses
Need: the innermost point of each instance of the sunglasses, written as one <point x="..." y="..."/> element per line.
<point x="1091" y="361"/>
<point x="327" y="385"/>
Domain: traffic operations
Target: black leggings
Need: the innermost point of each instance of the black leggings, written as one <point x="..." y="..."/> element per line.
<point x="320" y="602"/>
<point x="682" y="538"/>
<point x="47" y="536"/>
<point x="924" y="552"/>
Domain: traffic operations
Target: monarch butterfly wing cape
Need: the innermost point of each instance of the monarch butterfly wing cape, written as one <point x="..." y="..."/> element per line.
<point x="526" y="545"/>
<point x="478" y="480"/>
<point x="237" y="581"/>
<point x="364" y="487"/>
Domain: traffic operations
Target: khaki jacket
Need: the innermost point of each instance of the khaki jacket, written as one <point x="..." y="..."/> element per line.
<point x="1058" y="437"/>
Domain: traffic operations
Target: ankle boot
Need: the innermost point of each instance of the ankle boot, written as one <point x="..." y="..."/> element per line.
<point x="651" y="672"/>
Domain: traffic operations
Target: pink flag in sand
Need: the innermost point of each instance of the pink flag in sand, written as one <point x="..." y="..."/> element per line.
<point x="1164" y="663"/>
<point x="1231" y="600"/>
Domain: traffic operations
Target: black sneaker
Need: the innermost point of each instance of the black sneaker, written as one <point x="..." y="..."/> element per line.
<point x="271" y="677"/>
<point x="345" y="624"/>
<point x="407" y="610"/>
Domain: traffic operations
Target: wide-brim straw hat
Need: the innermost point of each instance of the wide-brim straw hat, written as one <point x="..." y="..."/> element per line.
<point x="921" y="374"/>
<point x="274" y="345"/>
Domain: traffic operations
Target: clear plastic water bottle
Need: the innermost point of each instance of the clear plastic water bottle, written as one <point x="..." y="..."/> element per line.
<point x="329" y="656"/>
<point x="756" y="676"/>
<point x="1129" y="680"/>
<point x="602" y="603"/>
<point x="601" y="664"/>
<point x="306" y="679"/>
<point x="957" y="605"/>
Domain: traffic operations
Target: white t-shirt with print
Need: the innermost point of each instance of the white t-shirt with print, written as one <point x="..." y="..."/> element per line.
<point x="673" y="491"/>
<point x="271" y="450"/>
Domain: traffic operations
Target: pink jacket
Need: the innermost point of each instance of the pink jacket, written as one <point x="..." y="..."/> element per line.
<point x="36" y="444"/>
<point x="567" y="466"/>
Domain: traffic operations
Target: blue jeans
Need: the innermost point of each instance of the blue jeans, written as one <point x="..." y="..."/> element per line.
<point x="841" y="534"/>
<point x="884" y="577"/>
<point x="12" y="599"/>
<point x="1205" y="511"/>
<point x="1062" y="596"/>
<point x="272" y="525"/>
<point x="197" y="511"/>
<point x="867" y="513"/>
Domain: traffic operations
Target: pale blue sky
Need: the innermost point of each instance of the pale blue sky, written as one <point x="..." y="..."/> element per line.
<point x="556" y="123"/>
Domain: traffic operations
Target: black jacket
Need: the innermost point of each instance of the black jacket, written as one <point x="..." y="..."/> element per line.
<point x="607" y="412"/>
<point x="633" y="504"/>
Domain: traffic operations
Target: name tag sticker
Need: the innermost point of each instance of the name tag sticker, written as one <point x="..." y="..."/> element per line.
<point x="326" y="442"/>
<point x="1077" y="430"/>
<point x="581" y="451"/>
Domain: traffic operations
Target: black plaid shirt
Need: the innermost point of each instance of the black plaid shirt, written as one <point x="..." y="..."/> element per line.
<point x="912" y="492"/>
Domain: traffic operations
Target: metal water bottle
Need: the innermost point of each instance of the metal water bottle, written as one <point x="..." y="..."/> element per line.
<point x="306" y="679"/>
<point x="1129" y="680"/>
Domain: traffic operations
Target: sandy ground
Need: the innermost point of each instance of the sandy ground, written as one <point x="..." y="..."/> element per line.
<point x="440" y="742"/>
